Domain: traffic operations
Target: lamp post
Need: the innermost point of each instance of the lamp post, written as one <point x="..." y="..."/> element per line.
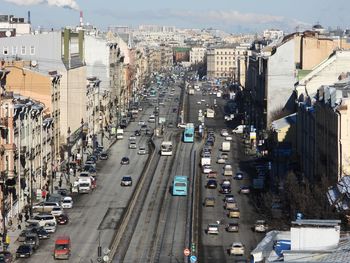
<point x="82" y="142"/>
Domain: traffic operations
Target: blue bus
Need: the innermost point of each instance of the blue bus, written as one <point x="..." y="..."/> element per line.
<point x="188" y="135"/>
<point x="180" y="183"/>
<point x="153" y="93"/>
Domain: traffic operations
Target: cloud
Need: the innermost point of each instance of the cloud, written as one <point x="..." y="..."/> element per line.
<point x="70" y="4"/>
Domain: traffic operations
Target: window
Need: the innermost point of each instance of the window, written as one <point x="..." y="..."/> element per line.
<point x="14" y="50"/>
<point x="32" y="50"/>
<point x="5" y="50"/>
<point x="23" y="50"/>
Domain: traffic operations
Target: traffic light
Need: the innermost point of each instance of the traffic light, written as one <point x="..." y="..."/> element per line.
<point x="193" y="248"/>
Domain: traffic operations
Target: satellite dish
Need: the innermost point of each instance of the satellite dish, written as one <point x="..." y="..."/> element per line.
<point x="8" y="33"/>
<point x="33" y="63"/>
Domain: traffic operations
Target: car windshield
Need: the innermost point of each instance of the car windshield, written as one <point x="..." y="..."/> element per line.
<point x="61" y="246"/>
<point x="126" y="178"/>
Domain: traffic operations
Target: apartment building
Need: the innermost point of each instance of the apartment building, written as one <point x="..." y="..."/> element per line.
<point x="221" y="62"/>
<point x="197" y="54"/>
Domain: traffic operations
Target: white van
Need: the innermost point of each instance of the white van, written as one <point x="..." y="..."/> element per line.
<point x="238" y="129"/>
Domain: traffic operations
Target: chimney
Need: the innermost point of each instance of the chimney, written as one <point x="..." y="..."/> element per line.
<point x="28" y="17"/>
<point x="81" y="18"/>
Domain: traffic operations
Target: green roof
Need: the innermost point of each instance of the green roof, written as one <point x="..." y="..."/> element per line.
<point x="182" y="49"/>
<point x="302" y="73"/>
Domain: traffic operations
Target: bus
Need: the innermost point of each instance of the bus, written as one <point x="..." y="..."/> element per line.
<point x="180" y="183"/>
<point x="166" y="149"/>
<point x="153" y="93"/>
<point x="188" y="135"/>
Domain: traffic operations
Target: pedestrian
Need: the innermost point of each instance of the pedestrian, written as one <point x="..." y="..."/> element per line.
<point x="43" y="194"/>
<point x="60" y="183"/>
<point x="26" y="216"/>
<point x="20" y="217"/>
<point x="47" y="196"/>
<point x="19" y="227"/>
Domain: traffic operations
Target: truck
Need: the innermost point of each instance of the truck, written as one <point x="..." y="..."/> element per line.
<point x="84" y="185"/>
<point x="120" y="134"/>
<point x="225" y="146"/>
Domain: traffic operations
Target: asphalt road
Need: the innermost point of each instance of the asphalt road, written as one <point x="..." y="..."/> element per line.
<point x="214" y="248"/>
<point x="95" y="216"/>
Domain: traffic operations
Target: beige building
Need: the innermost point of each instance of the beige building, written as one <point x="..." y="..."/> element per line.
<point x="197" y="54"/>
<point x="221" y="62"/>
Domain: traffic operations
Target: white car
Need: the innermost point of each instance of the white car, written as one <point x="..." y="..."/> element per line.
<point x="142" y="151"/>
<point x="141" y="122"/>
<point x="213" y="229"/>
<point x="221" y="160"/>
<point x="199" y="102"/>
<point x="67" y="202"/>
<point x="224" y="132"/>
<point x="181" y="125"/>
<point x="260" y="226"/>
<point x="57" y="211"/>
<point x="207" y="169"/>
<point x="228" y="138"/>
<point x="237" y="249"/>
<point x="132" y="138"/>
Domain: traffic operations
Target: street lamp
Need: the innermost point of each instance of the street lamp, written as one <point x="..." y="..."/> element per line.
<point x="82" y="142"/>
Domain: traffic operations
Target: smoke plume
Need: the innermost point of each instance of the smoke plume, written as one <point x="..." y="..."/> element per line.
<point x="70" y="4"/>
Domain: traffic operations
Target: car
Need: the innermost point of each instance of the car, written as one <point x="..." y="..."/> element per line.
<point x="32" y="240"/>
<point x="224" y="132"/>
<point x="199" y="102"/>
<point x="132" y="145"/>
<point x="213" y="229"/>
<point x="209" y="202"/>
<point x="140" y="108"/>
<point x="223" y="156"/>
<point x="206" y="169"/>
<point x="137" y="133"/>
<point x="226" y="182"/>
<point x="221" y="160"/>
<point x="237" y="249"/>
<point x="141" y="122"/>
<point x="142" y="151"/>
<point x="143" y="127"/>
<point x="238" y="176"/>
<point x="234" y="213"/>
<point x="244" y="189"/>
<point x="56" y="211"/>
<point x="24" y="251"/>
<point x="260" y="226"/>
<point x="40" y="231"/>
<point x="62" y="219"/>
<point x="212" y="184"/>
<point x="103" y="156"/>
<point x="67" y="202"/>
<point x="181" y="125"/>
<point x="126" y="181"/>
<point x="6" y="257"/>
<point x="45" y="206"/>
<point x="228" y="138"/>
<point x="90" y="163"/>
<point x="225" y="189"/>
<point x="170" y="125"/>
<point x="132" y="138"/>
<point x="228" y="170"/>
<point x="232" y="227"/>
<point x="125" y="160"/>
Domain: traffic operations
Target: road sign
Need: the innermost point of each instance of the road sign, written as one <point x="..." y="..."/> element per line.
<point x="187" y="252"/>
<point x="193" y="259"/>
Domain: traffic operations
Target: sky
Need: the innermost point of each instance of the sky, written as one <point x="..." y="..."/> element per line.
<point x="232" y="16"/>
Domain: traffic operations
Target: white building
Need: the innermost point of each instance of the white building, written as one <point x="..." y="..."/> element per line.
<point x="197" y="54"/>
<point x="12" y="26"/>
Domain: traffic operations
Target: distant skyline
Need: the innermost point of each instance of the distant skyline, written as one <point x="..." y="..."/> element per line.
<point x="232" y="16"/>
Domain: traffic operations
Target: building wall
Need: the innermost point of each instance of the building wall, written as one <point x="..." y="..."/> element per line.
<point x="197" y="54"/>
<point x="280" y="77"/>
<point x="314" y="50"/>
<point x="344" y="125"/>
<point x="221" y="63"/>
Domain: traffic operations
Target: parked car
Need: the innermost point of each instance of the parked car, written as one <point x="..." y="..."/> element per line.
<point x="56" y="211"/>
<point x="126" y="181"/>
<point x="260" y="226"/>
<point x="206" y="169"/>
<point x="213" y="229"/>
<point x="32" y="240"/>
<point x="42" y="220"/>
<point x="24" y="251"/>
<point x="232" y="227"/>
<point x="237" y="249"/>
<point x="124" y="161"/>
<point x="137" y="133"/>
<point x="40" y="231"/>
<point x="45" y="206"/>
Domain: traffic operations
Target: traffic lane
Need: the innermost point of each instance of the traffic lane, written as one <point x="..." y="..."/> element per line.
<point x="173" y="239"/>
<point x="145" y="230"/>
<point x="99" y="211"/>
<point x="217" y="247"/>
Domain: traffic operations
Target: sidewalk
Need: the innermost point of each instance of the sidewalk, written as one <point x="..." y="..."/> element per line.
<point x="14" y="231"/>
